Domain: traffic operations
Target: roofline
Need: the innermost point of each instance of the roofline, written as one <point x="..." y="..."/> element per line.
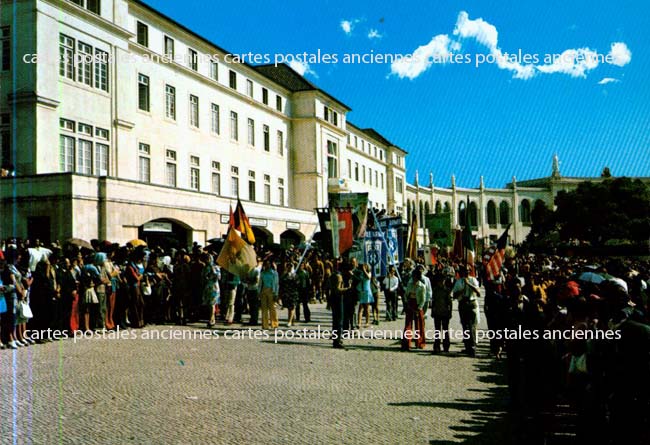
<point x="313" y="87"/>
<point x="363" y="130"/>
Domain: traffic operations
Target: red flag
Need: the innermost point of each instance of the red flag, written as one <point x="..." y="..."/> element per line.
<point x="345" y="230"/>
<point x="493" y="267"/>
<point x="231" y="223"/>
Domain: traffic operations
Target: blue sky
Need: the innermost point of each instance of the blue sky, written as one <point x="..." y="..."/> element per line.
<point x="495" y="121"/>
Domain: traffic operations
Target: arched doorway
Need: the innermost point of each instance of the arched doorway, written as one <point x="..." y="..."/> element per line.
<point x="166" y="233"/>
<point x="291" y="237"/>
<point x="263" y="238"/>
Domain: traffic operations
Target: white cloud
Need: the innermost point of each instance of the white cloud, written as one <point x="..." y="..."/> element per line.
<point x="374" y="34"/>
<point x="487" y="35"/>
<point x="606" y="80"/>
<point x="620" y="54"/>
<point x="348" y="25"/>
<point x="436" y="51"/>
<point x="302" y="68"/>
<point x="574" y="62"/>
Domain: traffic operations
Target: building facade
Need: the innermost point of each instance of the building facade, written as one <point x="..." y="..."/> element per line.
<point x="117" y="123"/>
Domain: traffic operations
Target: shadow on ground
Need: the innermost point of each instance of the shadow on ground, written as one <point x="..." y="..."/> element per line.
<point x="489" y="423"/>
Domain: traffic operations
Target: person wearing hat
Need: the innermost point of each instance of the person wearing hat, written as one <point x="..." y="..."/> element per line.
<point x="466" y="291"/>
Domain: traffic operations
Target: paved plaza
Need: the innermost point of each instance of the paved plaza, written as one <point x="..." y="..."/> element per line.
<point x="249" y="391"/>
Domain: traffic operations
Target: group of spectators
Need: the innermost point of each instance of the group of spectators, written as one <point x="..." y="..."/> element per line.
<point x="604" y="378"/>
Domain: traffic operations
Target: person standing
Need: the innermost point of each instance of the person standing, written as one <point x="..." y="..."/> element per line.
<point x="289" y="291"/>
<point x="466" y="291"/>
<point x="304" y="291"/>
<point x="441" y="308"/>
<point x="351" y="301"/>
<point x="364" y="291"/>
<point x="337" y="290"/>
<point x="391" y="284"/>
<point x="252" y="293"/>
<point x="210" y="276"/>
<point x="415" y="297"/>
<point x="268" y="292"/>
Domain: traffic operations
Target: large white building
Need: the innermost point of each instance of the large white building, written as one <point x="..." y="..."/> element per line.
<point x="121" y="123"/>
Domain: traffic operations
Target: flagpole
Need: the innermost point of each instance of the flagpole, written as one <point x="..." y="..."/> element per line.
<point x="308" y="245"/>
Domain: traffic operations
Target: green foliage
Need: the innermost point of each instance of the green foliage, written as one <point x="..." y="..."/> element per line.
<point x="596" y="212"/>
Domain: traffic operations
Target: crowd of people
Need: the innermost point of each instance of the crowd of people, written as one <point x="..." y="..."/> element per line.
<point x="605" y="378"/>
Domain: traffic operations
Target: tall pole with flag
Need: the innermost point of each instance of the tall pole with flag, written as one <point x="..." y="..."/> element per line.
<point x="468" y="240"/>
<point x="496" y="254"/>
<point x="412" y="246"/>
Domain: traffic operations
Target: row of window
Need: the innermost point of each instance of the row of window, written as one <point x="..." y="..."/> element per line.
<point x="79" y="62"/>
<point x="192" y="61"/>
<point x="494" y="214"/>
<point x="377" y="180"/>
<point x="144" y="104"/>
<point x="83" y="148"/>
<point x="144" y="175"/>
<point x="373" y="150"/>
<point x="91" y="5"/>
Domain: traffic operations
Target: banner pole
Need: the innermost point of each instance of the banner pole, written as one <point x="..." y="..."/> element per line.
<point x="383" y="238"/>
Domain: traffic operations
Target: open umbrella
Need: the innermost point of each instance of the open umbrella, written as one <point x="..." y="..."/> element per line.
<point x="137" y="243"/>
<point x="80" y="243"/>
<point x="591" y="277"/>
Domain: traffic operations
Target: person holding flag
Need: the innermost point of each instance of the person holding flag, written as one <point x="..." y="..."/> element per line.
<point x="466" y="291"/>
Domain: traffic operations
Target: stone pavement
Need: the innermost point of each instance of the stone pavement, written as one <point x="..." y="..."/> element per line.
<point x="248" y="391"/>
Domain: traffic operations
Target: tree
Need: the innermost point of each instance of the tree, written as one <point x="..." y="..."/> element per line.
<point x="606" y="173"/>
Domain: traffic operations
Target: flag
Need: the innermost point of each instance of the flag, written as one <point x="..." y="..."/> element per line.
<point x="493" y="266"/>
<point x="468" y="241"/>
<point x="240" y="222"/>
<point x="231" y="223"/>
<point x="412" y="246"/>
<point x="342" y="234"/>
<point x="236" y="256"/>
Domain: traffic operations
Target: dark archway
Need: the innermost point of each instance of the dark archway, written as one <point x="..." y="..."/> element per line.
<point x="166" y="233"/>
<point x="263" y="238"/>
<point x="491" y="213"/>
<point x="291" y="237"/>
<point x="504" y="213"/>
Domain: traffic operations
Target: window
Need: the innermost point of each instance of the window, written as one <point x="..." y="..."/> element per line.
<point x="356" y="142"/>
<point x="84" y="157"/>
<point x="332" y="160"/>
<point x="251" y="132"/>
<point x="90" y="5"/>
<point x="375" y="149"/>
<point x="194" y="111"/>
<point x="369" y="176"/>
<point x="215" y="127"/>
<point x="234" y="182"/>
<point x="504" y="213"/>
<point x="169" y="48"/>
<point x="101" y="133"/>
<point x="524" y="211"/>
<point x="84" y="63"/>
<point x="194" y="172"/>
<point x="233" y="80"/>
<point x="381" y="155"/>
<point x="330" y="115"/>
<point x="267" y="189"/>
<point x="170" y="102"/>
<point x="85" y="129"/>
<point x="66" y="153"/>
<point x="491" y="214"/>
<point x="376" y="179"/>
<point x="101" y="70"/>
<point x="101" y="159"/>
<point x="216" y="183"/>
<point x="170" y="168"/>
<point x="349" y="169"/>
<point x="216" y="178"/>
<point x="382" y="181"/>
<point x="214" y="71"/>
<point x="281" y="192"/>
<point x="265" y="96"/>
<point x="280" y="137"/>
<point x="144" y="163"/>
<point x="143" y="34"/>
<point x="364" y="174"/>
<point x="234" y="130"/>
<point x="66" y="124"/>
<point x="193" y="61"/>
<point x="278" y="103"/>
<point x="251" y="186"/>
<point x="66" y="57"/>
<point x="249" y="87"/>
<point x="267" y="140"/>
<point x="143" y="92"/>
<point x="399" y="185"/>
<point x="5" y="37"/>
<point x="170" y="174"/>
<point x="356" y="171"/>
